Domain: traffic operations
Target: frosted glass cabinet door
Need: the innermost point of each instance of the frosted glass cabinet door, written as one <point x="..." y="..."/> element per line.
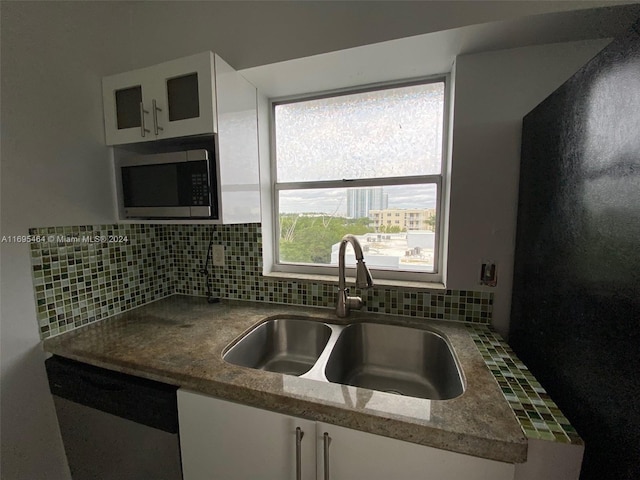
<point x="353" y="455"/>
<point x="127" y="100"/>
<point x="185" y="100"/>
<point x="222" y="440"/>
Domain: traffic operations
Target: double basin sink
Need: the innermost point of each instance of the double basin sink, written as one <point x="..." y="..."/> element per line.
<point x="388" y="358"/>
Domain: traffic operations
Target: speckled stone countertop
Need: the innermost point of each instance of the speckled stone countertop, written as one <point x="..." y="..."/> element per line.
<point x="180" y="340"/>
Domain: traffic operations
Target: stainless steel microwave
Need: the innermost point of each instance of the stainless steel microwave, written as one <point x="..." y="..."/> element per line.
<point x="172" y="185"/>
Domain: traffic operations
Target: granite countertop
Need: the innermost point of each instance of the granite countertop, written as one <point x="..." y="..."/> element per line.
<point x="180" y="340"/>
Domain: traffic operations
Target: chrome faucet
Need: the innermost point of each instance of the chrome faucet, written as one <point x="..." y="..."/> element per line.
<point x="363" y="277"/>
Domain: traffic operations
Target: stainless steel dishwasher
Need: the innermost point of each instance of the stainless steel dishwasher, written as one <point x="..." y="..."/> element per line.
<point x="115" y="426"/>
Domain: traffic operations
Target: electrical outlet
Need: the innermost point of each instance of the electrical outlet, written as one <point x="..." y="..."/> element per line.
<point x="489" y="274"/>
<point x="217" y="255"/>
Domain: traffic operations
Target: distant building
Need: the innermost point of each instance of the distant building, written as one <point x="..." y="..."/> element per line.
<point x="406" y="219"/>
<point x="360" y="201"/>
<point x="420" y="239"/>
<point x="411" y="251"/>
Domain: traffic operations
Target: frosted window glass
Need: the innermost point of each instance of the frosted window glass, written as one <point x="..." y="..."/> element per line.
<point x="386" y="133"/>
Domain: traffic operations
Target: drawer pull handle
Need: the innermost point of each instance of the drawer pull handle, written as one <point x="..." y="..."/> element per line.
<point x="299" y="435"/>
<point x="327" y="442"/>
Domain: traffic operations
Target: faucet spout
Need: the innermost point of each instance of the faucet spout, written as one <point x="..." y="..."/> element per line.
<point x="363" y="277"/>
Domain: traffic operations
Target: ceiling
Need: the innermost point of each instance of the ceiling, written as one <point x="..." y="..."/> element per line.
<point x="252" y="33"/>
<point x="434" y="52"/>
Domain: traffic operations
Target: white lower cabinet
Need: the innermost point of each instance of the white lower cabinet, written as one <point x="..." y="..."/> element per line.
<point x="359" y="455"/>
<point x="221" y="440"/>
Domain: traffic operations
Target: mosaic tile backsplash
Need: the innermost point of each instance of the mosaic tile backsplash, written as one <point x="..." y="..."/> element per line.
<point x="87" y="273"/>
<point x="82" y="274"/>
<point x="538" y="415"/>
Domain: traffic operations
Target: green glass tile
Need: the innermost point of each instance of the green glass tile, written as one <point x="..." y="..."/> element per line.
<point x="537" y="413"/>
<point x="547" y="436"/>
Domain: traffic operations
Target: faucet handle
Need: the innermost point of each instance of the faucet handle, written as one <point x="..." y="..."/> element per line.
<point x="363" y="275"/>
<point x="354" y="302"/>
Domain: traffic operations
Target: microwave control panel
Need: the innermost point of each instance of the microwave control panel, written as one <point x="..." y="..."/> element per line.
<point x="200" y="189"/>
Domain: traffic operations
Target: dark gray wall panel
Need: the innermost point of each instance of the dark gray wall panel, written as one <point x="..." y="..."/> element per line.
<point x="576" y="298"/>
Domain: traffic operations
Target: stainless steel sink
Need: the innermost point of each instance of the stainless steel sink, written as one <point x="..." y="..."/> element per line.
<point x="281" y="345"/>
<point x="387" y="358"/>
<point x="400" y="360"/>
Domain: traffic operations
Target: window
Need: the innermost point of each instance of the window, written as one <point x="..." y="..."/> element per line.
<point x="361" y="162"/>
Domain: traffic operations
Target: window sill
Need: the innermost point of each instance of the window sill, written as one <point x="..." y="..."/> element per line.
<point x="377" y="282"/>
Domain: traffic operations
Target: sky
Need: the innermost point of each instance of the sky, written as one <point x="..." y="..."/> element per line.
<point x="334" y="201"/>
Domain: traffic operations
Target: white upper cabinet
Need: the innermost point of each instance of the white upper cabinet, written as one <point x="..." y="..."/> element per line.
<point x="195" y="97"/>
<point x="168" y="100"/>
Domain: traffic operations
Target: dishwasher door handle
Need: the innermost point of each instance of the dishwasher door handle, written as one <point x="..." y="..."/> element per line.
<point x="101" y="385"/>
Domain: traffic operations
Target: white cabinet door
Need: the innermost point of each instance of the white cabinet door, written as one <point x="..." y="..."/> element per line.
<point x="239" y="171"/>
<point x="127" y="99"/>
<point x="184" y="96"/>
<point x="221" y="440"/>
<point x="354" y="455"/>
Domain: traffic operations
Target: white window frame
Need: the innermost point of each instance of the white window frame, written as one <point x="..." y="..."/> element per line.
<point x="379" y="275"/>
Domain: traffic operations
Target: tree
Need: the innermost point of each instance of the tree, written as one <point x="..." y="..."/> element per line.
<point x="390" y="229"/>
<point x="307" y="238"/>
<point x="430" y="223"/>
<point x="288" y="226"/>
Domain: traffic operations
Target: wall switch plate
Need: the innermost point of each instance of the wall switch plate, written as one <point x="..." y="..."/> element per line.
<point x="217" y="255"/>
<point x="489" y="274"/>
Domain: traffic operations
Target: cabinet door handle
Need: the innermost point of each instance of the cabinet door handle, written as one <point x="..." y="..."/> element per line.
<point x="156" y="128"/>
<point x="299" y="435"/>
<point x="143" y="129"/>
<point x="327" y="442"/>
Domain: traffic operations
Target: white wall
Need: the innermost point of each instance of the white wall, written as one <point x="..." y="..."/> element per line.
<point x="54" y="171"/>
<point x="494" y="91"/>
